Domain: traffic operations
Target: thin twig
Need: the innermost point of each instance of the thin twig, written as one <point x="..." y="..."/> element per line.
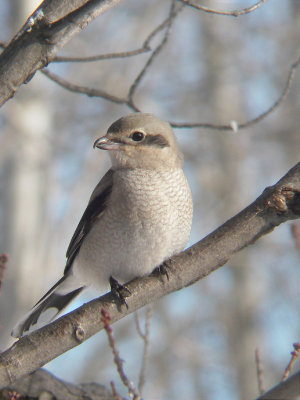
<point x="295" y="354"/>
<point x="235" y="13"/>
<point x="253" y="121"/>
<point x="3" y="264"/>
<point x="295" y="230"/>
<point x="173" y="13"/>
<point x="138" y="325"/>
<point x="91" y="92"/>
<point x="146" y="339"/>
<point x="114" y="391"/>
<point x="117" y="359"/>
<point x="129" y="101"/>
<point x="100" y="57"/>
<point x="124" y="54"/>
<point x="282" y="97"/>
<point x="233" y="125"/>
<point x="259" y="372"/>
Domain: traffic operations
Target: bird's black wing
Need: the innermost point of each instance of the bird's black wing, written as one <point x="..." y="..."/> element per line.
<point x="96" y="206"/>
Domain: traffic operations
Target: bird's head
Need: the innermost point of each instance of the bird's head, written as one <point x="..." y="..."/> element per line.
<point x="141" y="141"/>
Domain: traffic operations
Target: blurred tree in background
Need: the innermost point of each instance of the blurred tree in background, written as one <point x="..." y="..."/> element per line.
<point x="212" y="69"/>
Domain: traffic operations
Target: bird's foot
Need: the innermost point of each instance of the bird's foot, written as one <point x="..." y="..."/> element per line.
<point x="119" y="291"/>
<point x="162" y="270"/>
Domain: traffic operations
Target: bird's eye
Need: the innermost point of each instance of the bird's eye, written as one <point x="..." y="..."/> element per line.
<point x="137" y="136"/>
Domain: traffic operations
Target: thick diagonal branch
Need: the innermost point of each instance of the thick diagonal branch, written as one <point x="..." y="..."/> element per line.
<point x="49" y="28"/>
<point x="277" y="204"/>
<point x="287" y="390"/>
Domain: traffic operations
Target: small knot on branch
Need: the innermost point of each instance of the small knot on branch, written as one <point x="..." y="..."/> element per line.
<point x="79" y="334"/>
<point x="285" y="199"/>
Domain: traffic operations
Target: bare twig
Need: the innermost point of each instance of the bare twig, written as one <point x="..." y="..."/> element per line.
<point x="286" y="390"/>
<point x="295" y="354"/>
<point x="42" y="385"/>
<point x="235" y="13"/>
<point x="173" y="13"/>
<point x="295" y="230"/>
<point x="106" y="320"/>
<point x="100" y="57"/>
<point x="3" y="265"/>
<point x="253" y="121"/>
<point x="146" y="339"/>
<point x="259" y="372"/>
<point x="124" y="54"/>
<point x="129" y="100"/>
<point x="39" y="40"/>
<point x="233" y="125"/>
<point x="114" y="391"/>
<point x="91" y="92"/>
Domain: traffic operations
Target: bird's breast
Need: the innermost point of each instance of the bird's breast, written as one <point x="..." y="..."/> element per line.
<point x="147" y="220"/>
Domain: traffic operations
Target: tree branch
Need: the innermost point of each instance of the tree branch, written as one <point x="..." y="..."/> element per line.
<point x="124" y="54"/>
<point x="234" y="125"/>
<point x="91" y="92"/>
<point x="235" y="13"/>
<point x="286" y="390"/>
<point x="56" y="22"/>
<point x="173" y="13"/>
<point x="42" y="382"/>
<point x="132" y="391"/>
<point x="277" y="204"/>
<point x="3" y="265"/>
<point x="259" y="372"/>
<point x="48" y="29"/>
<point x="146" y="339"/>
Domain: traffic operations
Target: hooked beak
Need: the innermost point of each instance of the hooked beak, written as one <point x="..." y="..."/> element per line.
<point x="106" y="144"/>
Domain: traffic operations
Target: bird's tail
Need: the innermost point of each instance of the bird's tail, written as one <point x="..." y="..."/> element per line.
<point x="49" y="306"/>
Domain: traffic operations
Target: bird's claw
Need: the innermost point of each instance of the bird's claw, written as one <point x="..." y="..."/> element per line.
<point x="162" y="270"/>
<point x="119" y="291"/>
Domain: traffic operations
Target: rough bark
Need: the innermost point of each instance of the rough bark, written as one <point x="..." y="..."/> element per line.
<point x="48" y="29"/>
<point x="43" y="385"/>
<point x="287" y="390"/>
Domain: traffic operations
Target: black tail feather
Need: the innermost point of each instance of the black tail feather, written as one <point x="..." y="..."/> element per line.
<point x="54" y="301"/>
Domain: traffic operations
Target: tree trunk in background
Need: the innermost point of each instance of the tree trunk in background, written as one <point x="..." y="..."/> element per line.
<point x="25" y="164"/>
<point x="226" y="101"/>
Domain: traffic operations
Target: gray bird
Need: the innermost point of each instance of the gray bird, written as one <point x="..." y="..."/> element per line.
<point x="138" y="216"/>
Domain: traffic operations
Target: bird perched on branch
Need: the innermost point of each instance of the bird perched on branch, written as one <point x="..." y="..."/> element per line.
<point x="137" y="217"/>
